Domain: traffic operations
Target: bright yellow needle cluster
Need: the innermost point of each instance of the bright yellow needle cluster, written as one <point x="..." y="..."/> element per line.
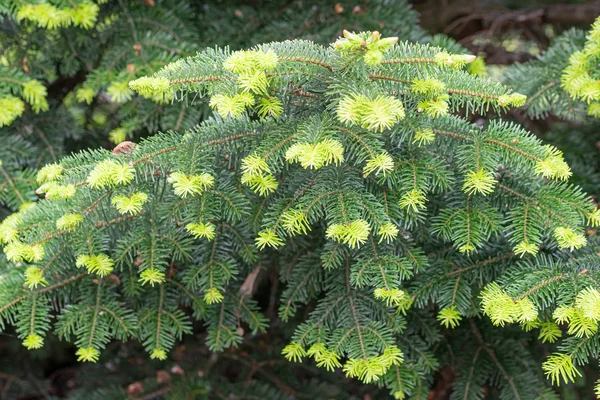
<point x="46" y="15"/>
<point x="372" y="113"/>
<point x="130" y="204"/>
<point x="109" y="173"/>
<point x="502" y="309"/>
<point x="479" y="182"/>
<point x="567" y="238"/>
<point x="213" y="296"/>
<point x="257" y="175"/>
<point x="317" y="155"/>
<point x="413" y="201"/>
<point x="268" y="238"/>
<point x="49" y="173"/>
<point x="369" y="45"/>
<point x="11" y="108"/>
<point x="157" y="89"/>
<point x="33" y="342"/>
<point x="394" y="298"/>
<point x="190" y="185"/>
<point x="553" y="166"/>
<point x="353" y="234"/>
<point x="34" y="277"/>
<point x="16" y="251"/>
<point x="576" y="78"/>
<point x="69" y="221"/>
<point x="87" y="354"/>
<point x="100" y="264"/>
<point x="201" y="230"/>
<point x="449" y="317"/>
<point x="152" y="276"/>
<point x="368" y="370"/>
<point x="231" y="105"/>
<point x="381" y="163"/>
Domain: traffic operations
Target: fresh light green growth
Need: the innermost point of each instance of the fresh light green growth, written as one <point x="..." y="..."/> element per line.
<point x="49" y="173"/>
<point x="33" y="342"/>
<point x="435" y="108"/>
<point x="251" y="67"/>
<point x="594" y="218"/>
<point x="479" y="182"/>
<point x="316" y="155"/>
<point x="588" y="302"/>
<point x="549" y="332"/>
<point x="100" y="264"/>
<point x="324" y="358"/>
<point x="157" y="89"/>
<point x="34" y="92"/>
<point x="514" y="100"/>
<point x="268" y="238"/>
<point x="435" y="97"/>
<point x="257" y="175"/>
<point x="269" y="107"/>
<point x="184" y="185"/>
<point x="295" y="222"/>
<point x="130" y="205"/>
<point x="567" y="238"/>
<point x="428" y="87"/>
<point x="213" y="296"/>
<point x="201" y="230"/>
<point x="553" y="166"/>
<point x="370" y="47"/>
<point x="559" y="367"/>
<point x="45" y="15"/>
<point x="353" y="233"/>
<point x="449" y="317"/>
<point x="69" y="221"/>
<point x="457" y="61"/>
<point x="17" y="251"/>
<point x="376" y="114"/>
<point x="85" y="95"/>
<point x="424" y="136"/>
<point x="371" y="369"/>
<point x="387" y="232"/>
<point x="579" y="325"/>
<point x="11" y="108"/>
<point x="394" y="298"/>
<point x="158" y="354"/>
<point x="382" y="163"/>
<point x="414" y="200"/>
<point x="502" y="309"/>
<point x="9" y="227"/>
<point x="109" y="173"/>
<point x="581" y="78"/>
<point x="54" y="191"/>
<point x="34" y="277"/>
<point x="367" y="370"/>
<point x="152" y="276"/>
<point x="231" y="105"/>
<point x="525" y="247"/>
<point x="294" y="352"/>
<point x="250" y="61"/>
<point x="87" y="354"/>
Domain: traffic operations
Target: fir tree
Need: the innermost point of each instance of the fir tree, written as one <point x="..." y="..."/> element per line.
<point x="347" y="159"/>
